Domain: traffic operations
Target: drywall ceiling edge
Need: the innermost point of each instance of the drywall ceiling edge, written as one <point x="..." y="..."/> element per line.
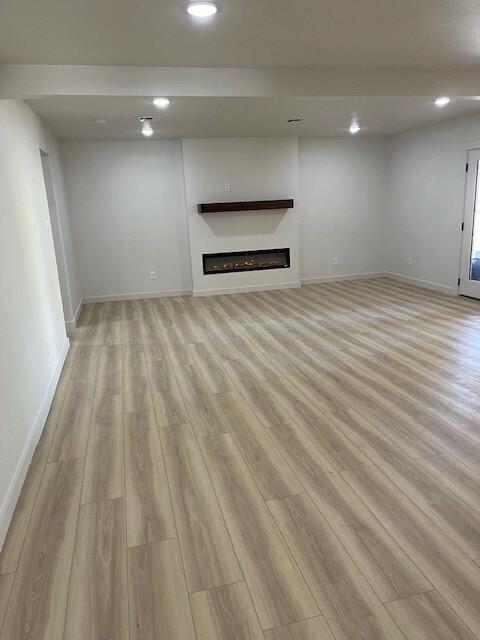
<point x="28" y="81"/>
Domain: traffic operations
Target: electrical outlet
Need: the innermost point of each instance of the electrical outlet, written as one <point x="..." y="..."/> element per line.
<point x="409" y="260"/>
<point x="228" y="186"/>
<point x="153" y="275"/>
<point x="336" y="260"/>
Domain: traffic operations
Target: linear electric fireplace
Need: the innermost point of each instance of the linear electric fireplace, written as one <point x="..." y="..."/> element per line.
<point x="246" y="260"/>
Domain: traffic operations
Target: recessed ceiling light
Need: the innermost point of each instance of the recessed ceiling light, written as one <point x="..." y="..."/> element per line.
<point x="147" y="130"/>
<point x="354" y="128"/>
<point x="442" y="101"/>
<point x="161" y="103"/>
<point x="202" y="9"/>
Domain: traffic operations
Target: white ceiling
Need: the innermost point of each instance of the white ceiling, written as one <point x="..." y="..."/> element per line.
<point x="73" y="117"/>
<point x="440" y="34"/>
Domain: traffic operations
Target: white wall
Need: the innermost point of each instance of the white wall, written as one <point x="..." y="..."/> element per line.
<point x="372" y="202"/>
<point x="342" y="197"/>
<point x="127" y="206"/>
<point x="33" y="340"/>
<point x="256" y="169"/>
<point x="426" y="194"/>
<point x="375" y="202"/>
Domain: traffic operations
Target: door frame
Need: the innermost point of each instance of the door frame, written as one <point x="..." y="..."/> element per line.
<point x="470" y="146"/>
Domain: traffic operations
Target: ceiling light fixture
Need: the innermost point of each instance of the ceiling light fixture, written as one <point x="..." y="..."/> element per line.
<point x="354" y="127"/>
<point x="442" y="101"/>
<point x="202" y="9"/>
<point x="161" y="103"/>
<point x="147" y="130"/>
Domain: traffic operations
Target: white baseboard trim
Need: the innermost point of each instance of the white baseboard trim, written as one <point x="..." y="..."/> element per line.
<point x="451" y="291"/>
<point x="13" y="493"/>
<point x="143" y="295"/>
<point x="70" y="325"/>
<point x="351" y="276"/>
<point x="245" y="289"/>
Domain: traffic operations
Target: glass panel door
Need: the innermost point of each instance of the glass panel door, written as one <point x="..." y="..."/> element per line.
<point x="475" y="249"/>
<point x="470" y="267"/>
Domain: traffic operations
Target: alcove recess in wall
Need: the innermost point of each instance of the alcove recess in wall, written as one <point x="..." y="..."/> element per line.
<point x="252" y="205"/>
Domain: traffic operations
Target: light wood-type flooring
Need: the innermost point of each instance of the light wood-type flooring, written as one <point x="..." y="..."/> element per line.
<point x="300" y="464"/>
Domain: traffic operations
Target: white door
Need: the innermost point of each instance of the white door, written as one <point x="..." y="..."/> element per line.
<point x="470" y="269"/>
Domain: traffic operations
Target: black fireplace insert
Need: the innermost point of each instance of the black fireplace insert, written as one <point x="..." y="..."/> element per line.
<point x="246" y="260"/>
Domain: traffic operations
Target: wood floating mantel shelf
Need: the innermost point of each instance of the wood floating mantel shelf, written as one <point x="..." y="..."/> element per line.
<point x="253" y="205"/>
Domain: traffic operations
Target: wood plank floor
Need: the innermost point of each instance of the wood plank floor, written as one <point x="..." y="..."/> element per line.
<point x="286" y="465"/>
